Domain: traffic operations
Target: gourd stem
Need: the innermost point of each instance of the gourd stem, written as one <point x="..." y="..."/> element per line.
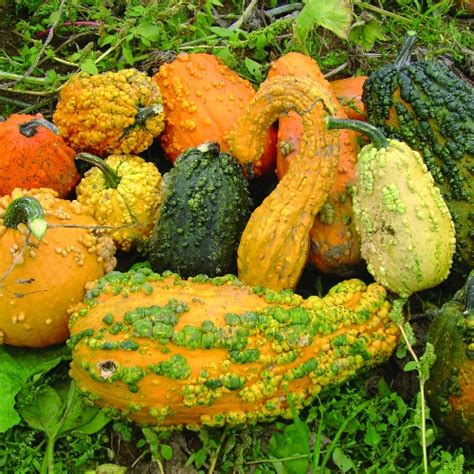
<point x="26" y="210"/>
<point x="147" y="112"/>
<point x="377" y="138"/>
<point x="29" y="129"/>
<point x="111" y="178"/>
<point x="405" y="50"/>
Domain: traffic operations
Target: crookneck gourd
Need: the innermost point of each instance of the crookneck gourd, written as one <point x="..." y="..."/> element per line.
<point x="33" y="155"/>
<point x="405" y="227"/>
<point x="175" y="353"/>
<point x="450" y="388"/>
<point x="427" y="106"/>
<point x="274" y="245"/>
<point x="203" y="98"/>
<point x="334" y="243"/>
<point x="48" y="253"/>
<point x="110" y="113"/>
<point x="123" y="192"/>
<point x="206" y="204"/>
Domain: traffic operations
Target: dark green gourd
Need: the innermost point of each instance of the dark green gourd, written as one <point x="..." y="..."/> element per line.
<point x="206" y="205"/>
<point x="427" y="106"/>
<point x="450" y="388"/>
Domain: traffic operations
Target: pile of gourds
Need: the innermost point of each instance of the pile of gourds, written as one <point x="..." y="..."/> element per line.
<point x="199" y="346"/>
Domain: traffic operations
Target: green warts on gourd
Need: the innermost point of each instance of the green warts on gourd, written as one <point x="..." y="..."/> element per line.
<point x="405" y="226"/>
<point x="211" y="351"/>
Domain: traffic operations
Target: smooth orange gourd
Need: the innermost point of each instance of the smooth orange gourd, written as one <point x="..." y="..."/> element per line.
<point x="203" y="99"/>
<point x="334" y="243"/>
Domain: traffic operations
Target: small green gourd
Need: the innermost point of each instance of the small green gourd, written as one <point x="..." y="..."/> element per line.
<point x="206" y="204"/>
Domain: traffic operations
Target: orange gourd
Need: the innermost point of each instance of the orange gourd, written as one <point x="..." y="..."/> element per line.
<point x="115" y="112"/>
<point x="203" y="99"/>
<point x="44" y="271"/>
<point x="348" y="92"/>
<point x="274" y="245"/>
<point x="174" y="353"/>
<point x="33" y="155"/>
<point x="334" y="242"/>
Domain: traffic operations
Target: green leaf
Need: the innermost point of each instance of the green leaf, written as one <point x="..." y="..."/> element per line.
<point x="221" y="32"/>
<point x="166" y="452"/>
<point x="254" y="68"/>
<point x="409" y="366"/>
<point x="341" y="460"/>
<point x="147" y="31"/>
<point x="334" y="15"/>
<point x="127" y="54"/>
<point x="41" y="414"/>
<point x="60" y="410"/>
<point x="372" y="437"/>
<point x="292" y="442"/>
<point x="89" y="66"/>
<point x="18" y="368"/>
<point x="366" y="33"/>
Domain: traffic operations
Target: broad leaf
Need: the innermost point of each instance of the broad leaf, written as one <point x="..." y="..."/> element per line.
<point x="18" y="368"/>
<point x="334" y="15"/>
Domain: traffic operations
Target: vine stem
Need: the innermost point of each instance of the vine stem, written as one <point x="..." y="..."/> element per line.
<point x="422" y="381"/>
<point x="247" y="12"/>
<point x="381" y="11"/>
<point x="17" y="77"/>
<point x="213" y="463"/>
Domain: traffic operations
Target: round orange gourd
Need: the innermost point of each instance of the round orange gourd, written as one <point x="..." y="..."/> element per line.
<point x="348" y="92"/>
<point x="116" y="112"/>
<point x="334" y="242"/>
<point x="203" y="99"/>
<point x="39" y="281"/>
<point x="33" y="155"/>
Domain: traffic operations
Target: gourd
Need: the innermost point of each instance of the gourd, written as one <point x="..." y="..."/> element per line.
<point x="349" y="92"/>
<point x="33" y="155"/>
<point x="206" y="204"/>
<point x="274" y="245"/>
<point x="334" y="243"/>
<point x="48" y="253"/>
<point x="450" y="388"/>
<point x="110" y="113"/>
<point x="123" y="191"/>
<point x="427" y="106"/>
<point x="174" y="353"/>
<point x="203" y="98"/>
<point x="405" y="227"/>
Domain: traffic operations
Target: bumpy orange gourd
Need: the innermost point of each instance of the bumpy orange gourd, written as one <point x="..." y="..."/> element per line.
<point x="33" y="155"/>
<point x="39" y="282"/>
<point x="274" y="245"/>
<point x="334" y="242"/>
<point x="348" y="92"/>
<point x="110" y="113"/>
<point x="176" y="353"/>
<point x="203" y="99"/>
